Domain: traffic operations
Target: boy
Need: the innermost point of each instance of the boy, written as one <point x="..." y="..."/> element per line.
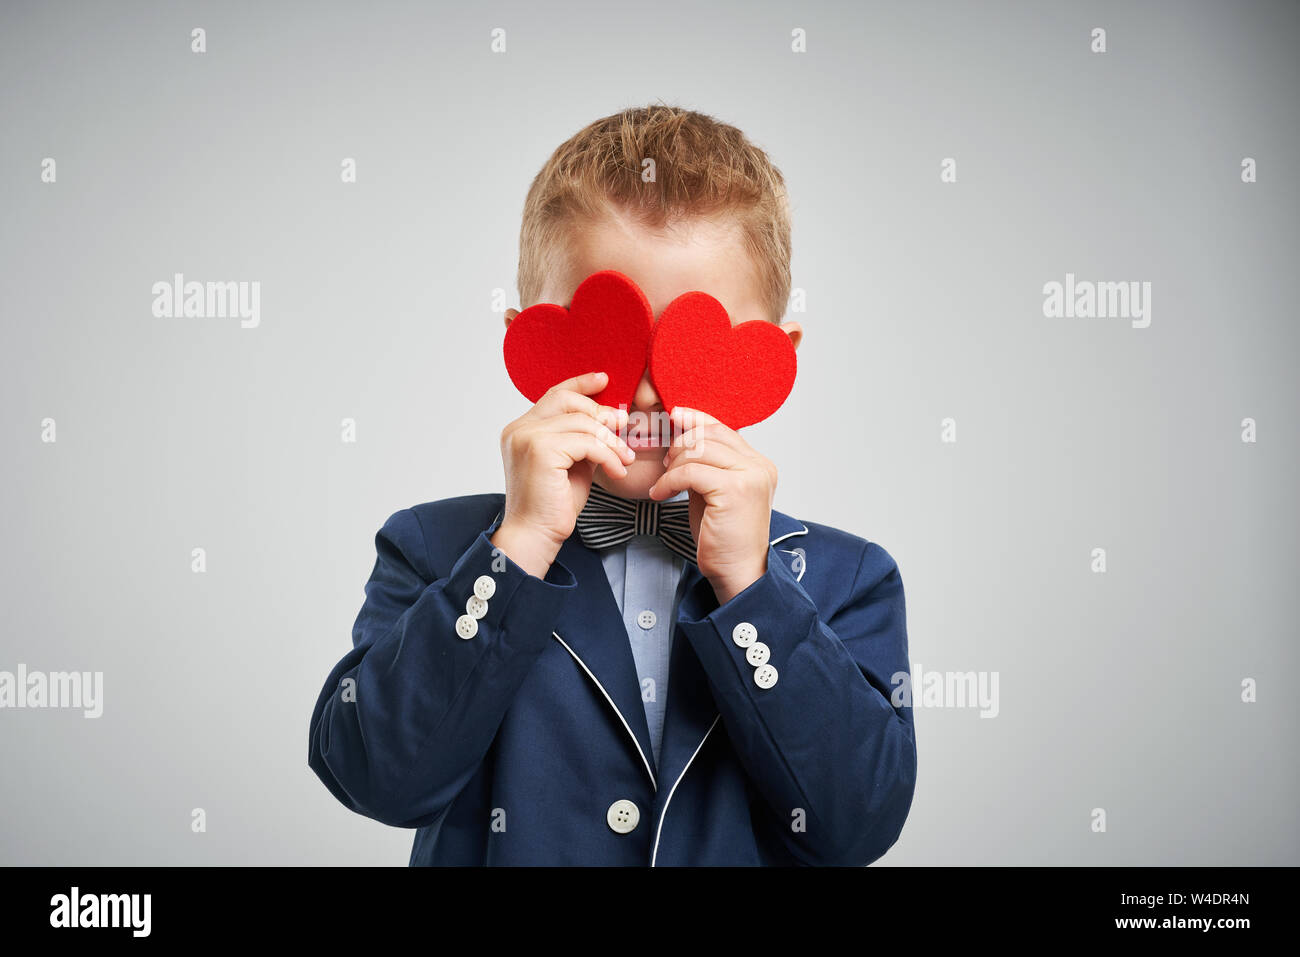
<point x="563" y="674"/>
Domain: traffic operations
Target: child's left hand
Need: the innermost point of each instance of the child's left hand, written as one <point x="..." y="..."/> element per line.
<point x="731" y="492"/>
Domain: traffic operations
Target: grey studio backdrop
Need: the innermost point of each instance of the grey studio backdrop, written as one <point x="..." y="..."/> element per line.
<point x="380" y="303"/>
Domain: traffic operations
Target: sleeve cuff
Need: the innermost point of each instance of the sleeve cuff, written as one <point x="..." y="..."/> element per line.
<point x="752" y="635"/>
<point x="498" y="597"/>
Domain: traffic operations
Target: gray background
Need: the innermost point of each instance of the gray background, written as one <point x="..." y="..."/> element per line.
<point x="1119" y="691"/>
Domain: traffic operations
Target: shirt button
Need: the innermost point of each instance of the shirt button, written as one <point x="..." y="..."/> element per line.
<point x="646" y="619"/>
<point x="476" y="606"/>
<point x="622" y="816"/>
<point x="758" y="654"/>
<point x="485" y="586"/>
<point x="467" y="626"/>
<point x="765" y="676"/>
<point x="744" y="634"/>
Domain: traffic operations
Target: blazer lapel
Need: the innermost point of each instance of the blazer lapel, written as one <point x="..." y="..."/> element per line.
<point x="592" y="630"/>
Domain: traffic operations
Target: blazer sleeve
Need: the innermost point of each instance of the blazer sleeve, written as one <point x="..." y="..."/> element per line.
<point x="406" y="717"/>
<point x="832" y="755"/>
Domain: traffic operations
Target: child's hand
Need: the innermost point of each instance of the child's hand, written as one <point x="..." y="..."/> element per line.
<point x="732" y="488"/>
<point x="550" y="454"/>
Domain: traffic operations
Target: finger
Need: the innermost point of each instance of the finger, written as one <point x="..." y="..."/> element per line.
<point x="582" y="446"/>
<point x="582" y="422"/>
<point x="710" y="451"/>
<point x="684" y="443"/>
<point x="692" y="435"/>
<point x="571" y="395"/>
<point x="587" y="383"/>
<point x="704" y="479"/>
<point x="565" y="403"/>
<point x="687" y="418"/>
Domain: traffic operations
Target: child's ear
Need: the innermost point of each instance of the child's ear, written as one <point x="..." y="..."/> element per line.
<point x="794" y="331"/>
<point x="510" y="314"/>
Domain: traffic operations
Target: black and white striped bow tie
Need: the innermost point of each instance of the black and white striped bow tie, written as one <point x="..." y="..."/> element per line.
<point x="608" y="519"/>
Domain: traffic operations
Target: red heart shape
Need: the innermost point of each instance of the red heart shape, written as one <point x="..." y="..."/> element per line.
<point x="605" y="329"/>
<point x="737" y="374"/>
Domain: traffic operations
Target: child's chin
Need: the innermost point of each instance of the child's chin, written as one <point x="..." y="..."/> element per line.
<point x="641" y="474"/>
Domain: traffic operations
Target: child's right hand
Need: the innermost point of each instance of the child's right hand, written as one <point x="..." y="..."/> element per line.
<point x="550" y="454"/>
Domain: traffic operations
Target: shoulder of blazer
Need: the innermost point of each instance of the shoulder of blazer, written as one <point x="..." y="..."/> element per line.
<point x="450" y="525"/>
<point x="809" y="546"/>
<point x="826" y="543"/>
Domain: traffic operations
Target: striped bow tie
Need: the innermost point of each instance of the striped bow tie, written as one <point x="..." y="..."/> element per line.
<point x="608" y="519"/>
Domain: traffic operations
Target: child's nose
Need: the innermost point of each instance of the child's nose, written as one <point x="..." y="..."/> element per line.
<point x="646" y="397"/>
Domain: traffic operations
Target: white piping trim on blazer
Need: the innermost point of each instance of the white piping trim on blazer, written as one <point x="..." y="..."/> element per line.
<point x="659" y="830"/>
<point x="797" y="553"/>
<point x="802" y="531"/>
<point x="653" y="782"/>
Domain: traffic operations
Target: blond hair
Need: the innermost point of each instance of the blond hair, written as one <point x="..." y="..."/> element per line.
<point x="702" y="167"/>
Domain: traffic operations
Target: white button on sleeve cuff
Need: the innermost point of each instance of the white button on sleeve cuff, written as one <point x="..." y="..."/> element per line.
<point x="744" y="634"/>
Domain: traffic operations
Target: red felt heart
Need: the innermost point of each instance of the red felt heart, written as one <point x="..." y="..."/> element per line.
<point x="605" y="329"/>
<point x="737" y="374"/>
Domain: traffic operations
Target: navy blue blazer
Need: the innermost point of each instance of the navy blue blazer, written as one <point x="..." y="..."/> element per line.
<point x="526" y="743"/>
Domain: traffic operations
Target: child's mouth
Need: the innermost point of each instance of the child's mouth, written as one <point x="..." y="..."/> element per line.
<point x="638" y="443"/>
<point x="651" y="439"/>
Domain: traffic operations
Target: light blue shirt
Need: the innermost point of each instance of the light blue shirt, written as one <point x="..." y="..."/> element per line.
<point x="644" y="574"/>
